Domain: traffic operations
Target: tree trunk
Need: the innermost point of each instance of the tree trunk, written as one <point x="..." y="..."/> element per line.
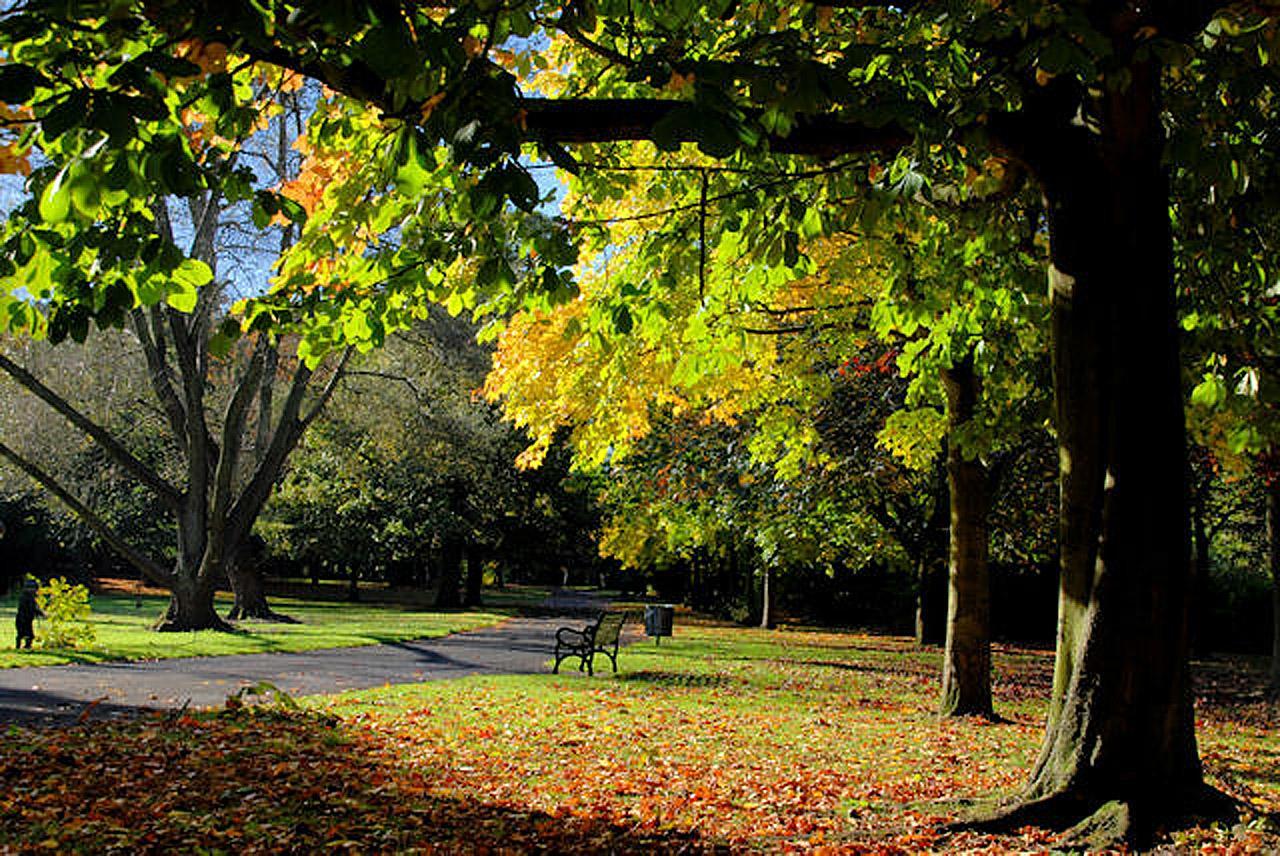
<point x="926" y="625"/>
<point x="767" y="598"/>
<point x="475" y="575"/>
<point x="1273" y="558"/>
<point x="1199" y="575"/>
<point x="1119" y="757"/>
<point x="449" y="595"/>
<point x="966" y="665"/>
<point x="251" y="595"/>
<point x="191" y="608"/>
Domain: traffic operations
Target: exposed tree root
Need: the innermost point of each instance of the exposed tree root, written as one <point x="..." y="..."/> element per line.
<point x="1095" y="823"/>
<point x="175" y="625"/>
<point x="986" y="715"/>
<point x="265" y="613"/>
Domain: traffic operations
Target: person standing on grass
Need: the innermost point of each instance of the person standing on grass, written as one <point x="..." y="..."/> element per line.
<point x="28" y="612"/>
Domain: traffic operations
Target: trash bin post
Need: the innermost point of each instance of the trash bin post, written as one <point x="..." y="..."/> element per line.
<point x="658" y="619"/>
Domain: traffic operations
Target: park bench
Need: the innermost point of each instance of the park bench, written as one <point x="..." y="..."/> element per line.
<point x="598" y="638"/>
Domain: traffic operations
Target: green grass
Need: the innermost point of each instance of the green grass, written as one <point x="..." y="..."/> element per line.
<point x="123" y="625"/>
<point x="761" y="739"/>
<point x="721" y="740"/>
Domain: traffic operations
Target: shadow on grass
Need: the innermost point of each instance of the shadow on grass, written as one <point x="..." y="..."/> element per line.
<point x="680" y="679"/>
<point x="267" y="781"/>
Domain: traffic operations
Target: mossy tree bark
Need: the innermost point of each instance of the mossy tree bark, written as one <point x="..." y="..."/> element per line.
<point x="1119" y="757"/>
<point x="966" y="664"/>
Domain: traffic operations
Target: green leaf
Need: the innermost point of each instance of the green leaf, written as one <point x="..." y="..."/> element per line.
<point x="55" y="201"/>
<point x="181" y="296"/>
<point x="193" y="273"/>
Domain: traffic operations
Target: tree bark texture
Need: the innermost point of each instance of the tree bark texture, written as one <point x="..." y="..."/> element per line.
<point x="966" y="664"/>
<point x="1119" y="753"/>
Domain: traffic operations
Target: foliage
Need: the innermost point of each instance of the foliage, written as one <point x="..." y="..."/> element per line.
<point x="723" y="739"/>
<point x="67" y="621"/>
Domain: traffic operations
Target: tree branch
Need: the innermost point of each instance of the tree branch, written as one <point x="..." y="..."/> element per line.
<point x="151" y="334"/>
<point x="151" y="570"/>
<point x="166" y="492"/>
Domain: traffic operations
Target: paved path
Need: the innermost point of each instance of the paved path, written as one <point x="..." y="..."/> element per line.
<point x="59" y="694"/>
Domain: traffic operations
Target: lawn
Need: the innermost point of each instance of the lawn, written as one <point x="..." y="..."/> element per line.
<point x="123" y="629"/>
<point x="722" y="739"/>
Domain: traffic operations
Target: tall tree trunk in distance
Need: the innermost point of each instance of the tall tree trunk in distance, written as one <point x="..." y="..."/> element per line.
<point x="475" y="575"/>
<point x="767" y="597"/>
<point x="1119" y="758"/>
<point x="966" y="664"/>
<point x="251" y="594"/>
<point x="1199" y="573"/>
<point x="927" y="625"/>
<point x="449" y="595"/>
<point x="923" y="605"/>
<point x="1273" y="559"/>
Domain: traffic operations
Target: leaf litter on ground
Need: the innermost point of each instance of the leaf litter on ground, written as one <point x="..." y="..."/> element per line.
<point x="723" y="739"/>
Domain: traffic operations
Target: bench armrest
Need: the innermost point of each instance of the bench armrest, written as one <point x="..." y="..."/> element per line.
<point x="572" y="636"/>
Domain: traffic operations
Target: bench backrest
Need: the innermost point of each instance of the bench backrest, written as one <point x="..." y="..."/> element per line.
<point x="608" y="627"/>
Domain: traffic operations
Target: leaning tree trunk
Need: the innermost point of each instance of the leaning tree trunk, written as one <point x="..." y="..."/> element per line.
<point x="449" y="595"/>
<point x="966" y="664"/>
<point x="1119" y="757"/>
<point x="1273" y="558"/>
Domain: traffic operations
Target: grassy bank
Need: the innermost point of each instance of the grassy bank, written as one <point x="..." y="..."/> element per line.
<point x="122" y="623"/>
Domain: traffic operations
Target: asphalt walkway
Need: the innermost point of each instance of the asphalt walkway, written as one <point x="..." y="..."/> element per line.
<point x="52" y="695"/>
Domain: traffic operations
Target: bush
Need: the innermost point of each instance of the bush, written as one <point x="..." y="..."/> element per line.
<point x="66" y="615"/>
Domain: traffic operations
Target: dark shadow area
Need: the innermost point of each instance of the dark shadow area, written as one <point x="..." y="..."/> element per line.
<point x="41" y="708"/>
<point x="294" y="783"/>
<point x="681" y="679"/>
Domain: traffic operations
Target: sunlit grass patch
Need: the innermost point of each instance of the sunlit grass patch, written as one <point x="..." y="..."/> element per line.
<point x="123" y="625"/>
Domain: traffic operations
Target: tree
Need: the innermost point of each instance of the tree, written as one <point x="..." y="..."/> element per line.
<point x="1071" y="92"/>
<point x="229" y="434"/>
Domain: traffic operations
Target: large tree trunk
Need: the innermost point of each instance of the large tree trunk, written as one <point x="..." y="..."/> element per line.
<point x="1273" y="559"/>
<point x="1119" y="758"/>
<point x="449" y="595"/>
<point x="966" y="665"/>
<point x="191" y="607"/>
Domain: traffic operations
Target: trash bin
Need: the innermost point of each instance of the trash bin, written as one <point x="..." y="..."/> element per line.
<point x="658" y="618"/>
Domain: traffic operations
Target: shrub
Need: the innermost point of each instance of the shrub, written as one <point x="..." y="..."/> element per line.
<point x="66" y="615"/>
